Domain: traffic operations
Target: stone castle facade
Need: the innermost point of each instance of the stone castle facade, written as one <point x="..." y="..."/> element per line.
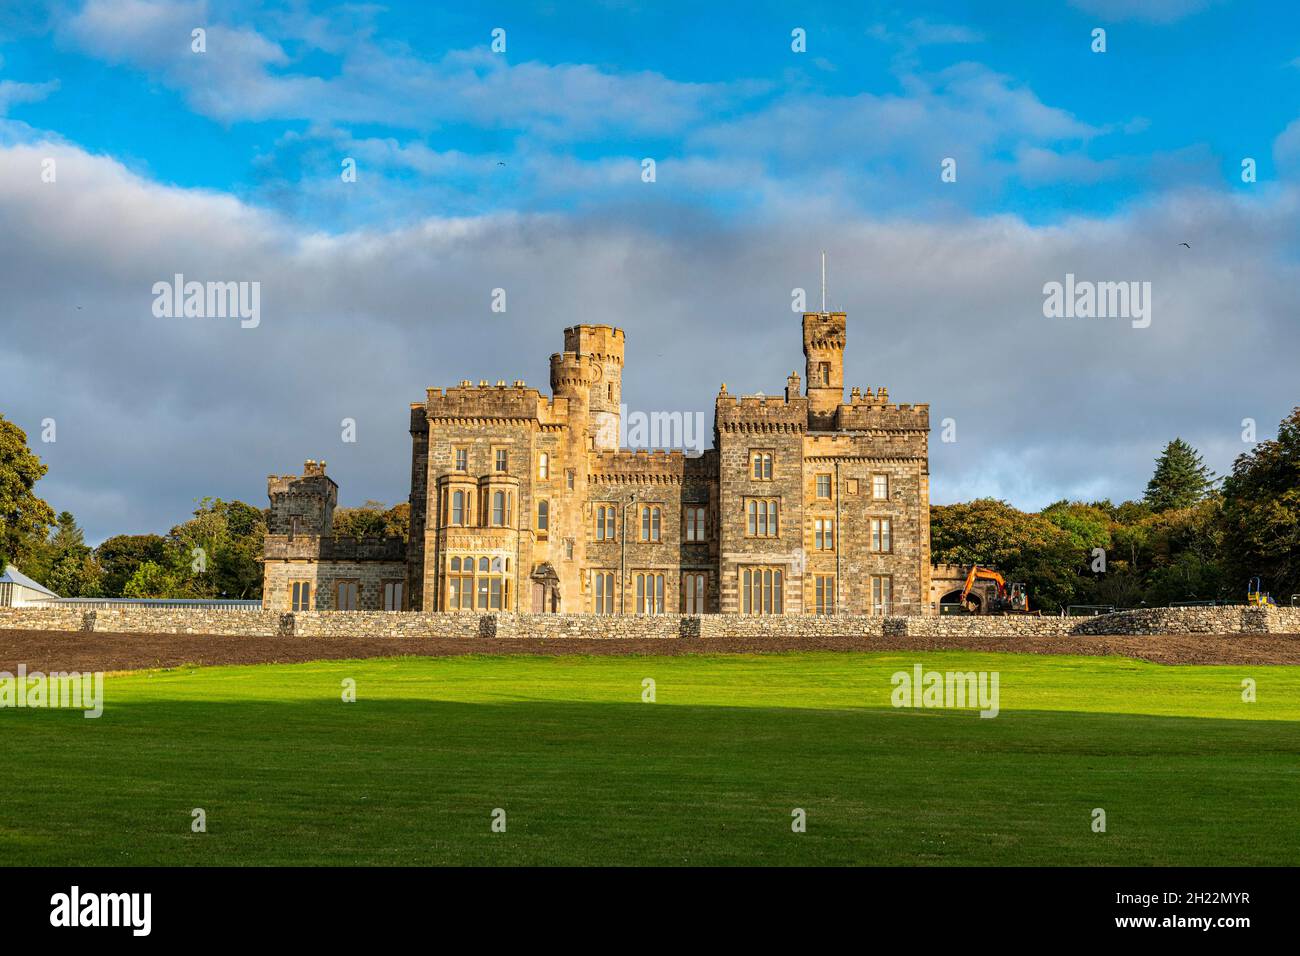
<point x="520" y="501"/>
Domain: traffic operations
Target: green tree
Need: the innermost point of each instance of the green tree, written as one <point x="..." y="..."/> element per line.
<point x="64" y="563"/>
<point x="153" y="580"/>
<point x="1261" y="512"/>
<point x="121" y="555"/>
<point x="1023" y="547"/>
<point x="1181" y="479"/>
<point x="24" y="518"/>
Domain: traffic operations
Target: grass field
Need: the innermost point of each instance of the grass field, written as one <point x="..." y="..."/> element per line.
<point x="708" y="774"/>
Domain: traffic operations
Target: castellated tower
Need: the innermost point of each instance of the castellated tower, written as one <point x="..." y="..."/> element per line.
<point x="603" y="346"/>
<point x="824" y="334"/>
<point x="302" y="504"/>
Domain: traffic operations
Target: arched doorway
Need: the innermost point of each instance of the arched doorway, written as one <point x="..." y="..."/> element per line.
<point x="950" y="603"/>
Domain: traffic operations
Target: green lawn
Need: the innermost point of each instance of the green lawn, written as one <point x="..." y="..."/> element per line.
<point x="708" y="774"/>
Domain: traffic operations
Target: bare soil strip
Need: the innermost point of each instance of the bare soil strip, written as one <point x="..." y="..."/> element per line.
<point x="68" y="651"/>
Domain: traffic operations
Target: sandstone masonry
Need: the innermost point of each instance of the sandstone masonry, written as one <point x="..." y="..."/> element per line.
<point x="520" y="501"/>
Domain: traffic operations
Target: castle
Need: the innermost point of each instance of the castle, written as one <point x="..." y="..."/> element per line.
<point x="806" y="504"/>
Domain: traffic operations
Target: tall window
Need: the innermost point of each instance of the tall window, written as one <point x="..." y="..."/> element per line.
<point x="881" y="535"/>
<point x="604" y="522"/>
<point x="823" y="486"/>
<point x="694" y="524"/>
<point x="458" y="507"/>
<point x="604" y="586"/>
<point x="462" y="459"/>
<point x="823" y="373"/>
<point x="301" y="596"/>
<point x="824" y="534"/>
<point x="760" y="463"/>
<point x="651" y="523"/>
<point x="543" y="517"/>
<point x="460" y="584"/>
<point x="761" y="591"/>
<point x="499" y="509"/>
<point x="693" y="589"/>
<point x="825" y="587"/>
<point x="568" y="549"/>
<point x="649" y="593"/>
<point x="345" y="595"/>
<point x="880" y="487"/>
<point x="882" y="594"/>
<point x="568" y="478"/>
<point x="502" y="460"/>
<point x="393" y="595"/>
<point x="543" y="466"/>
<point x="762" y="517"/>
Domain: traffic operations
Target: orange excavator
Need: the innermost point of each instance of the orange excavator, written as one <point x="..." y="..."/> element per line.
<point x="1008" y="599"/>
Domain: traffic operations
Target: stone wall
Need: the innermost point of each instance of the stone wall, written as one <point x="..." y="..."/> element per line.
<point x="270" y="624"/>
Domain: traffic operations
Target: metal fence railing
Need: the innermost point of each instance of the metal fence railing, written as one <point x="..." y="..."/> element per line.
<point x="208" y="604"/>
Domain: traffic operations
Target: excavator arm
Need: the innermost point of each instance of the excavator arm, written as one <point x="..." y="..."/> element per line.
<point x="986" y="574"/>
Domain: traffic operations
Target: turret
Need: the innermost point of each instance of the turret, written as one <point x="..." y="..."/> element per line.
<point x="302" y="504"/>
<point x="824" y="334"/>
<point x="601" y="349"/>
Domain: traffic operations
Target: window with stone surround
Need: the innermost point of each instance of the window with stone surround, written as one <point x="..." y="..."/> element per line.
<point x="543" y="466"/>
<point x="346" y="595"/>
<point x="605" y="522"/>
<point x="824" y="589"/>
<point x="482" y="583"/>
<point x="543" y="518"/>
<point x="824" y="486"/>
<point x="393" y="594"/>
<point x="694" y="587"/>
<point x="882" y="594"/>
<point x="694" y="518"/>
<point x="458" y="499"/>
<point x="502" y="459"/>
<point x="762" y="590"/>
<point x="603" y="585"/>
<point x="651" y="523"/>
<point x="568" y="478"/>
<point x="760" y="464"/>
<point x="762" y="517"/>
<point x="824" y="534"/>
<point x="462" y="459"/>
<point x="649" y="593"/>
<point x="500" y="509"/>
<point x="880" y="487"/>
<point x="300" y="596"/>
<point x="882" y="537"/>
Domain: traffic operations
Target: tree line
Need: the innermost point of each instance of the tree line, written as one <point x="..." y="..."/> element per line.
<point x="1191" y="537"/>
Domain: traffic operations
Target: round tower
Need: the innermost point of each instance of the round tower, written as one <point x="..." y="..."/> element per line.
<point x="602" y="346"/>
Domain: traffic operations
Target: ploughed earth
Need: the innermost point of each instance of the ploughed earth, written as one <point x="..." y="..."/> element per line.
<point x="55" y="650"/>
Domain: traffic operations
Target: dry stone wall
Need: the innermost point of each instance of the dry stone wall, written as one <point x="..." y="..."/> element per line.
<point x="325" y="624"/>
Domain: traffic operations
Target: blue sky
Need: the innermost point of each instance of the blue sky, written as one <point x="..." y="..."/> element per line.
<point x="522" y="170"/>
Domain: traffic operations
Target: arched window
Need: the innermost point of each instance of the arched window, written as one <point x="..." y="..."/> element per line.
<point x="455" y="564"/>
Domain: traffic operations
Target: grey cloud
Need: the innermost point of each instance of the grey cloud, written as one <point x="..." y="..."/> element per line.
<point x="154" y="413"/>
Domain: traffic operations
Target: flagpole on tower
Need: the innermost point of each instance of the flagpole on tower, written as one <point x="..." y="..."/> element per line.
<point x="823" y="282"/>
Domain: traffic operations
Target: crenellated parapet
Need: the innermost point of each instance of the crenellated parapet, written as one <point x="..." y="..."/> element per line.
<point x="486" y="402"/>
<point x="760" y="413"/>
